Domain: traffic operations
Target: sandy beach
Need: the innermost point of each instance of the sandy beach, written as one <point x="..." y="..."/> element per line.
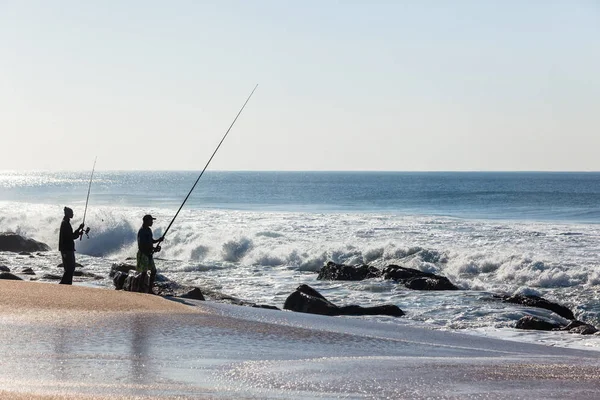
<point x="76" y="342"/>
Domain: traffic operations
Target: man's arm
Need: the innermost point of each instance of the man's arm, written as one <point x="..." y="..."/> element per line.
<point x="77" y="232"/>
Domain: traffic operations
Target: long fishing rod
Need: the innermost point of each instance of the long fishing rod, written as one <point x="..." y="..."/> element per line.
<point x="209" y="160"/>
<point x="86" y="201"/>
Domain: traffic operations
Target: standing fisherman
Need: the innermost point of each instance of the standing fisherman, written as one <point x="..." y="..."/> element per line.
<point x="66" y="246"/>
<point x="145" y="259"/>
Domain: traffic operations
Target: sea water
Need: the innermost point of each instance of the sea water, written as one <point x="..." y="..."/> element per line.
<point x="258" y="235"/>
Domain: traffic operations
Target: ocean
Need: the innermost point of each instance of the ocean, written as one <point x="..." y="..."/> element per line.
<point x="258" y="235"/>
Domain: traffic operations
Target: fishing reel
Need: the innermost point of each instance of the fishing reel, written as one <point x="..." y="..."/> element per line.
<point x="86" y="231"/>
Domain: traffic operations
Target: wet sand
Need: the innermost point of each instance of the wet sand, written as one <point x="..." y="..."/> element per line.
<point x="75" y="342"/>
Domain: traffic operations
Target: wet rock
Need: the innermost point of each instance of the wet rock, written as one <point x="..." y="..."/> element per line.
<point x="580" y="327"/>
<point x="27" y="271"/>
<point x="411" y="278"/>
<point x="340" y="272"/>
<point x="122" y="267"/>
<point x="9" y="276"/>
<point x="195" y="294"/>
<point x="265" y="306"/>
<point x="16" y="243"/>
<point x="535" y="323"/>
<point x="536" y="301"/>
<point x="77" y="265"/>
<point x="119" y="279"/>
<point x="24" y="253"/>
<point x="51" y="277"/>
<point x="417" y="280"/>
<point x="307" y="300"/>
<point x="4" y="268"/>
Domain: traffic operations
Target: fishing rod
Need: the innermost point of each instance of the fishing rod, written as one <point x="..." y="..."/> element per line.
<point x="87" y="231"/>
<point x="206" y="166"/>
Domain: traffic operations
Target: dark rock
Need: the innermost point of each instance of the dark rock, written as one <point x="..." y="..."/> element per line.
<point x="341" y="272"/>
<point x="536" y="301"/>
<point x="4" y="268"/>
<point x="77" y="265"/>
<point x="24" y="253"/>
<point x="122" y="267"/>
<point x="417" y="280"/>
<point x="195" y="294"/>
<point x="119" y="279"/>
<point x="27" y="271"/>
<point x="16" y="243"/>
<point x="307" y="300"/>
<point x="535" y="323"/>
<point x="9" y="276"/>
<point x="580" y="327"/>
<point x="429" y="283"/>
<point x="387" y="309"/>
<point x="137" y="283"/>
<point x="268" y="307"/>
<point x="51" y="277"/>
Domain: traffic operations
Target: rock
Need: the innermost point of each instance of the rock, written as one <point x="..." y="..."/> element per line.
<point x="580" y="327"/>
<point x="411" y="278"/>
<point x="77" y="265"/>
<point x="122" y="267"/>
<point x="16" y="243"/>
<point x="137" y="283"/>
<point x="195" y="294"/>
<point x="536" y="301"/>
<point x="119" y="279"/>
<point x="307" y="300"/>
<point x="24" y="253"/>
<point x="51" y="277"/>
<point x="268" y="307"/>
<point x="535" y="323"/>
<point x="429" y="283"/>
<point x="4" y="268"/>
<point x="9" y="276"/>
<point x="27" y="271"/>
<point x="341" y="272"/>
<point x="417" y="280"/>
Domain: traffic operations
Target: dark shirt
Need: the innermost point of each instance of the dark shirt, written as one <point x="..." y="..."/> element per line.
<point x="144" y="239"/>
<point x="66" y="237"/>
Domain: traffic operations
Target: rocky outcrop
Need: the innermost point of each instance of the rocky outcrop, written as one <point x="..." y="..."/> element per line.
<point x="535" y="323"/>
<point x="122" y="267"/>
<point x="539" y="324"/>
<point x="4" y="268"/>
<point x="307" y="300"/>
<point x="341" y="272"/>
<point x="16" y="243"/>
<point x="539" y="302"/>
<point x="9" y="276"/>
<point x="409" y="277"/>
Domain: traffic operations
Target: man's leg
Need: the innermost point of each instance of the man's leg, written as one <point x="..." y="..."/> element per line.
<point x="152" y="275"/>
<point x="68" y="259"/>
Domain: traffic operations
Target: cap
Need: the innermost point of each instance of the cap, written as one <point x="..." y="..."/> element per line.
<point x="147" y="217"/>
<point x="68" y="210"/>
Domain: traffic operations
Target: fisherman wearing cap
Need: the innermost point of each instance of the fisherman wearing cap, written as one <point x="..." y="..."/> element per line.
<point x="66" y="246"/>
<point x="145" y="261"/>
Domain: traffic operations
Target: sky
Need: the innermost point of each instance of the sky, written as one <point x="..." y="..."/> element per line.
<point x="343" y="85"/>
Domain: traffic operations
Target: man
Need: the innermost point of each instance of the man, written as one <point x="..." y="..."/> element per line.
<point x="66" y="246"/>
<point x="145" y="260"/>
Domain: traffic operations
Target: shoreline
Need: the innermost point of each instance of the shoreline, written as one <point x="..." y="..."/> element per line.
<point x="66" y="342"/>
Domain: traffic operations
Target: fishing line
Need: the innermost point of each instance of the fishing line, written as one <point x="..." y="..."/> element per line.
<point x="86" y="201"/>
<point x="209" y="160"/>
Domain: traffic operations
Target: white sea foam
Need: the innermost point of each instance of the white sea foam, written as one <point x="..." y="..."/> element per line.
<point x="263" y="256"/>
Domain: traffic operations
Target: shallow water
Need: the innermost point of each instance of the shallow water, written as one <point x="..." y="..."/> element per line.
<point x="257" y="236"/>
<point x="240" y="352"/>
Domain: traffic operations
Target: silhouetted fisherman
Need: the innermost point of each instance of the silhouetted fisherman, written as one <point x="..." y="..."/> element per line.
<point x="145" y="259"/>
<point x="66" y="246"/>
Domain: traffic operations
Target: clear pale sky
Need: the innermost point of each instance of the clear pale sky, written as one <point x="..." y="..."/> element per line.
<point x="343" y="85"/>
